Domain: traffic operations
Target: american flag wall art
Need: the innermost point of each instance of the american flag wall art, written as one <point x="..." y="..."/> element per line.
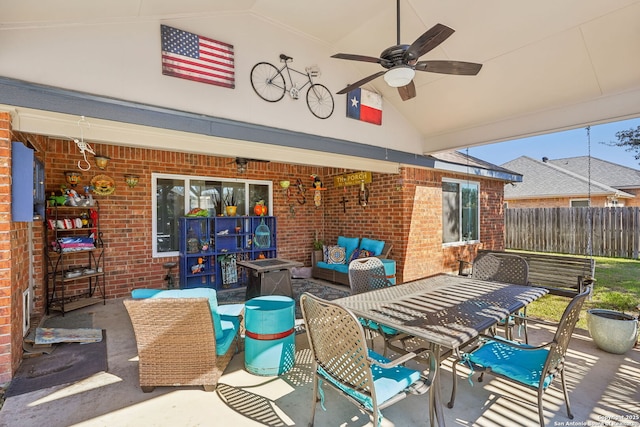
<point x="189" y="56"/>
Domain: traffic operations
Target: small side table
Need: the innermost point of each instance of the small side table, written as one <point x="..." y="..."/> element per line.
<point x="270" y="276"/>
<point x="270" y="340"/>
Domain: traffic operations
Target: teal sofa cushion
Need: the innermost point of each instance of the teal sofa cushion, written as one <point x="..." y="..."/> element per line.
<point x="342" y="268"/>
<point x="373" y="246"/>
<point x="350" y="244"/>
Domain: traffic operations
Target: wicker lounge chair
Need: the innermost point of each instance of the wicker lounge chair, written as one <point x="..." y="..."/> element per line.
<point x="177" y="342"/>
<point x="343" y="361"/>
<point x="533" y="367"/>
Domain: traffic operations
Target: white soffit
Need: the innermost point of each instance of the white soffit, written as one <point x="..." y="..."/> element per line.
<point x="109" y="132"/>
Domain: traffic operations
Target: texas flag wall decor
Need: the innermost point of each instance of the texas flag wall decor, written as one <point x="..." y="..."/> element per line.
<point x="365" y="106"/>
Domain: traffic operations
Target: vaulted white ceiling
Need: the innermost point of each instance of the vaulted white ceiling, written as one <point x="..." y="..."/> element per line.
<point x="548" y="65"/>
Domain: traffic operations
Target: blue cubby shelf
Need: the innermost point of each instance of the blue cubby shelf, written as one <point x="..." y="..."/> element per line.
<point x="211" y="238"/>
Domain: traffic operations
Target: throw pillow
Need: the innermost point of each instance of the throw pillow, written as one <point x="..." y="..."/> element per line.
<point x="373" y="246"/>
<point x="337" y="255"/>
<point x="363" y="253"/>
<point x="325" y="253"/>
<point x="354" y="255"/>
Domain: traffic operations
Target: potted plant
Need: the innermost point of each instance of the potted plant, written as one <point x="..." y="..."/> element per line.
<point x="318" y="246"/>
<point x="612" y="329"/>
<point x="230" y="202"/>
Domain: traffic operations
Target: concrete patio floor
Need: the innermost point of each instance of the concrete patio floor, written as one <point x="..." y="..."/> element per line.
<point x="604" y="391"/>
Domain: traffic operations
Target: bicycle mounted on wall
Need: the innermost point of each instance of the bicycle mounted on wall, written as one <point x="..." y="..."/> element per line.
<point x="268" y="81"/>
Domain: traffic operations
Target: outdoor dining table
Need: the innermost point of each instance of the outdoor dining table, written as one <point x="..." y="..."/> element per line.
<point x="446" y="311"/>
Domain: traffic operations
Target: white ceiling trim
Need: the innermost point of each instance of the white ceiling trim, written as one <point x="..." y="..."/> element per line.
<point x="616" y="107"/>
<point x="125" y="134"/>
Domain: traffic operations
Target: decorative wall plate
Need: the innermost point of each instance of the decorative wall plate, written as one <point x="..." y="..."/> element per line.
<point x="103" y="185"/>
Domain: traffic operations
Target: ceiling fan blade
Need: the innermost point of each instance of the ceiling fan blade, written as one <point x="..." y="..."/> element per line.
<point x="426" y="42"/>
<point x="361" y="82"/>
<point x="407" y="92"/>
<point x="352" y="57"/>
<point x="459" y="68"/>
<point x="245" y="160"/>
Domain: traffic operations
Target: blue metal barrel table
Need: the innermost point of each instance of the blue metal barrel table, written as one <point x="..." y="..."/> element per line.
<point x="390" y="269"/>
<point x="269" y="346"/>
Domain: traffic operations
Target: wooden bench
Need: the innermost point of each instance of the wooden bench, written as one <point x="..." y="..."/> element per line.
<point x="566" y="276"/>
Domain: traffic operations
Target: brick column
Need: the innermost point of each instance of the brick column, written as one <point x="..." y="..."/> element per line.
<point x="5" y="248"/>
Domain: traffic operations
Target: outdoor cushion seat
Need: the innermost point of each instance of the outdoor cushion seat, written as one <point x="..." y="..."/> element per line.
<point x="176" y="339"/>
<point x="523" y="366"/>
<point x="226" y="320"/>
<point x="333" y="265"/>
<point x="388" y="382"/>
<point x="341" y="268"/>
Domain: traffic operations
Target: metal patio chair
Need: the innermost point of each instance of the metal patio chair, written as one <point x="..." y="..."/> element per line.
<point x="505" y="268"/>
<point x="534" y="367"/>
<point x="343" y="361"/>
<point x="368" y="274"/>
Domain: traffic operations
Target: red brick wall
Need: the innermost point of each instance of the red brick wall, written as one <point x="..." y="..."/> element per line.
<point x="126" y="217"/>
<point x="403" y="209"/>
<point x="14" y="263"/>
<point x="6" y="274"/>
<point x="406" y="211"/>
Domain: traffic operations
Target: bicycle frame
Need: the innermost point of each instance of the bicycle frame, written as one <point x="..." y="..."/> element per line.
<point x="293" y="92"/>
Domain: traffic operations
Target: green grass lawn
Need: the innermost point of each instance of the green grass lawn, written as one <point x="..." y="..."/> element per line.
<point x="617" y="287"/>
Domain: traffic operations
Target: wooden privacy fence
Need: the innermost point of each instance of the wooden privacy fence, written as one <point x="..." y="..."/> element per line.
<point x="615" y="231"/>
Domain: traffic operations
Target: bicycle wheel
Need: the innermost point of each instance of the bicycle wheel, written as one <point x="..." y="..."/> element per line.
<point x="268" y="82"/>
<point x="320" y="101"/>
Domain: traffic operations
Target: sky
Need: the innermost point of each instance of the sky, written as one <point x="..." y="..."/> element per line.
<point x="560" y="145"/>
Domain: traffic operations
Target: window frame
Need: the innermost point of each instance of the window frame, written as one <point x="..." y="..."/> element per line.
<point x="155" y="176"/>
<point x="580" y="200"/>
<point x="462" y="241"/>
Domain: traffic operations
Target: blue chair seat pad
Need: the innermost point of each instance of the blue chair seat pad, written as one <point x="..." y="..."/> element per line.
<point x="375" y="326"/>
<point x="519" y="364"/>
<point x="387" y="381"/>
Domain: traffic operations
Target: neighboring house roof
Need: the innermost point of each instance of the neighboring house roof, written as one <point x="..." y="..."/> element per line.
<point x="547" y="179"/>
<point x="608" y="173"/>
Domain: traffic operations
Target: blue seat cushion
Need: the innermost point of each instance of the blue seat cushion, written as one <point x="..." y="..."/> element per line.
<point x="229" y="325"/>
<point x="519" y="364"/>
<point x="341" y="268"/>
<point x="144" y="293"/>
<point x="388" y="382"/>
<point x="378" y="327"/>
<point x="375" y="247"/>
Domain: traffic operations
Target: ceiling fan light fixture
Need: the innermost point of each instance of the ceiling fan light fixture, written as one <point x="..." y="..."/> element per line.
<point x="399" y="76"/>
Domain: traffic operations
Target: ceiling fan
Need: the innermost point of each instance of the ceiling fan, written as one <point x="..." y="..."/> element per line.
<point x="242" y="162"/>
<point x="401" y="61"/>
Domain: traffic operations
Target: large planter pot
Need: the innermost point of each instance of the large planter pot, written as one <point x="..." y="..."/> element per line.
<point x="612" y="331"/>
